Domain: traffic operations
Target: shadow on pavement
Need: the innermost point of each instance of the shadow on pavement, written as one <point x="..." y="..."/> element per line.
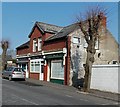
<point x="22" y="81"/>
<point x="27" y="83"/>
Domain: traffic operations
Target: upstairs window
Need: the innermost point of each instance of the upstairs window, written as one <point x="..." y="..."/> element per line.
<point x="96" y="44"/>
<point x="39" y="44"/>
<point x="76" y="40"/>
<point x="34" y="45"/>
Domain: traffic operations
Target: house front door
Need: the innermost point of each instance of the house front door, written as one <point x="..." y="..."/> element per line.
<point x="25" y="67"/>
<point x="41" y="71"/>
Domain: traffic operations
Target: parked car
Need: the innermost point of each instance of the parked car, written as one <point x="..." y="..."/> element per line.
<point x="14" y="73"/>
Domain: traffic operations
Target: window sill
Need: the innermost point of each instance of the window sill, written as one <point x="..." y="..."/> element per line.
<point x="34" y="72"/>
<point x="57" y="78"/>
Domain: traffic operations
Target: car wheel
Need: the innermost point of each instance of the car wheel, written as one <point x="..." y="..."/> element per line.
<point x="10" y="78"/>
<point x="3" y="77"/>
<point x="24" y="79"/>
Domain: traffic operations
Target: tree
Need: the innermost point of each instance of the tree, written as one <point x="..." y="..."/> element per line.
<point x="90" y="28"/>
<point x="4" y="46"/>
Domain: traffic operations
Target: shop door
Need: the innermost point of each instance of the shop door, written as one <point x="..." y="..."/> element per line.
<point x="24" y="66"/>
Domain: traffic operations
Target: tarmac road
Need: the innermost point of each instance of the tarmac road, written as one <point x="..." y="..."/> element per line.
<point x="25" y="93"/>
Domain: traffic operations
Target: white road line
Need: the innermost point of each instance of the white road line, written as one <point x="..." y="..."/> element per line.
<point x="85" y="100"/>
<point x="68" y="95"/>
<point x="110" y="103"/>
<point x="25" y="100"/>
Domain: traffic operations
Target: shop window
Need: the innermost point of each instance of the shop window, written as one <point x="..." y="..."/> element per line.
<point x="57" y="69"/>
<point x="32" y="66"/>
<point x="35" y="66"/>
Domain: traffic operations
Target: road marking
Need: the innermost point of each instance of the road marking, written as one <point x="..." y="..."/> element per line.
<point x="84" y="100"/>
<point x="111" y="103"/>
<point x="25" y="100"/>
<point x="68" y="96"/>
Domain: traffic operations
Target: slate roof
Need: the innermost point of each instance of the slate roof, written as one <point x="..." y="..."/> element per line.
<point x="48" y="27"/>
<point x="44" y="27"/>
<point x="25" y="45"/>
<point x="58" y="32"/>
<point x="64" y="32"/>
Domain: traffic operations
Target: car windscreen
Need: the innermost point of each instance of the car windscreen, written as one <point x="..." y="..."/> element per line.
<point x="9" y="69"/>
<point x="18" y="70"/>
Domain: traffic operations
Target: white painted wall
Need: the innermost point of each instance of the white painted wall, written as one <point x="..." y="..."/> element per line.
<point x="105" y="78"/>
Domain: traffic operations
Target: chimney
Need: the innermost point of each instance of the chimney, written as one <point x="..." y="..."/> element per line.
<point x="104" y="20"/>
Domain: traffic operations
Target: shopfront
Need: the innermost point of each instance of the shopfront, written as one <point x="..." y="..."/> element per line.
<point x="55" y="69"/>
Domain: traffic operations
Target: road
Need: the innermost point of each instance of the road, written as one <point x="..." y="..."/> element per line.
<point x="22" y="93"/>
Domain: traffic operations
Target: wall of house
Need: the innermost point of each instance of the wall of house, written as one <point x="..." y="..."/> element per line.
<point x="105" y="78"/>
<point x="35" y="35"/>
<point x="22" y="51"/>
<point x="107" y="52"/>
<point x="77" y="57"/>
<point x="34" y="76"/>
<point x="54" y="45"/>
<point x="108" y="48"/>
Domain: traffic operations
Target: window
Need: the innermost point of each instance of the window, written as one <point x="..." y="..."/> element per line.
<point x="57" y="69"/>
<point x="76" y="40"/>
<point x="32" y="66"/>
<point x="34" y="45"/>
<point x="96" y="44"/>
<point x="114" y="62"/>
<point x="39" y="44"/>
<point x="85" y="44"/>
<point x="35" y="66"/>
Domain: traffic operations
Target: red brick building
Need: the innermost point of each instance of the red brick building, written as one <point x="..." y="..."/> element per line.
<point x="46" y="56"/>
<point x="57" y="54"/>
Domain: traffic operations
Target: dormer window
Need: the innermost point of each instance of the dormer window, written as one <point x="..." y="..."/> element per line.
<point x="39" y="44"/>
<point x="34" y="45"/>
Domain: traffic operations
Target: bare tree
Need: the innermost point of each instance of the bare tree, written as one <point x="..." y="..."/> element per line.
<point x="4" y="46"/>
<point x="90" y="28"/>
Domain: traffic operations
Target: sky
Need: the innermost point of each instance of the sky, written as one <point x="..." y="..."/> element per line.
<point x="18" y="18"/>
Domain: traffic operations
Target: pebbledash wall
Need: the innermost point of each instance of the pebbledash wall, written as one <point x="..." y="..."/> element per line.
<point x="105" y="78"/>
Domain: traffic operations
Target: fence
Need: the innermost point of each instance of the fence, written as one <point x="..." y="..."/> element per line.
<point x="105" y="78"/>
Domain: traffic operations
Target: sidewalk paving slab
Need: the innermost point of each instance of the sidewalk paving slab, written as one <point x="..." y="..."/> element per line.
<point x="92" y="92"/>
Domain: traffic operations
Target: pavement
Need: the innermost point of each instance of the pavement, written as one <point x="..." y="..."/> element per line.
<point x="92" y="92"/>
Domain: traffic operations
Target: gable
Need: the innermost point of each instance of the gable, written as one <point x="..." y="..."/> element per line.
<point x="44" y="27"/>
<point x="33" y="30"/>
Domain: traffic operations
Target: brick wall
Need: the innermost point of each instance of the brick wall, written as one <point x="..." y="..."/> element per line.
<point x="22" y="51"/>
<point x="34" y="76"/>
<point x="35" y="35"/>
<point x="54" y="45"/>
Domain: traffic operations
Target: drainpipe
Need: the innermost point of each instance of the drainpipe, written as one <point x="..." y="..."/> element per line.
<point x="66" y="82"/>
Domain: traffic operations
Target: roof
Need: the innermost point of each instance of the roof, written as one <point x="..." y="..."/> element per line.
<point x="25" y="45"/>
<point x="64" y="32"/>
<point x="48" y="27"/>
<point x="44" y="27"/>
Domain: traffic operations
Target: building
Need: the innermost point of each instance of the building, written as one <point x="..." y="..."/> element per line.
<point x="57" y="54"/>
